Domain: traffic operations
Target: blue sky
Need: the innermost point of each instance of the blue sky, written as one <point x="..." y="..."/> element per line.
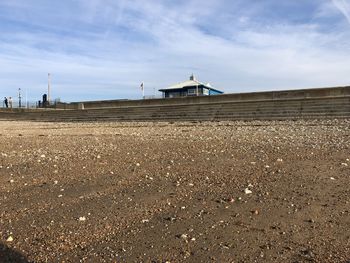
<point x="104" y="49"/>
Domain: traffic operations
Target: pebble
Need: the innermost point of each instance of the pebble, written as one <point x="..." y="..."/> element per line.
<point x="184" y="236"/>
<point x="9" y="239"/>
<point x="82" y="218"/>
<point x="247" y="191"/>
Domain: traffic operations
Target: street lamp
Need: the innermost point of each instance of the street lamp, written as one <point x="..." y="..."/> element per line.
<point x="19" y="98"/>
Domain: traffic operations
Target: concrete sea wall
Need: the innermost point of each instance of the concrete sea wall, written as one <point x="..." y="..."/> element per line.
<point x="287" y="104"/>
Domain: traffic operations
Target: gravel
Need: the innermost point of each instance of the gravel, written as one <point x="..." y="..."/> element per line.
<point x="257" y="191"/>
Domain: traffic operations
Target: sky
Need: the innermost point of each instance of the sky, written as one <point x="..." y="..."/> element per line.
<point x="104" y="49"/>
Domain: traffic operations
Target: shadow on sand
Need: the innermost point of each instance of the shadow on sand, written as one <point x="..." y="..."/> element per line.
<point x="9" y="255"/>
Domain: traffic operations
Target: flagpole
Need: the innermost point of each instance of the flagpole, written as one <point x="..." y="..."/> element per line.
<point x="48" y="87"/>
<point x="26" y="99"/>
<point x="143" y="89"/>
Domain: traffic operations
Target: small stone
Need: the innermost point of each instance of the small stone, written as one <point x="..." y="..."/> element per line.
<point x="231" y="200"/>
<point x="9" y="239"/>
<point x="82" y="218"/>
<point x="42" y="156"/>
<point x="344" y="164"/>
<point x="138" y="164"/>
<point x="98" y="157"/>
<point x="332" y="178"/>
<point x="184" y="236"/>
<point x="145" y="221"/>
<point x="307" y="253"/>
<point x="247" y="191"/>
<point x="12" y="181"/>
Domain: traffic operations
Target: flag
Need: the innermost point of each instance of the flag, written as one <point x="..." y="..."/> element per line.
<point x="142" y="86"/>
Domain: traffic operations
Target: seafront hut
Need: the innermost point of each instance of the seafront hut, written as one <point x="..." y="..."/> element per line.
<point x="191" y="87"/>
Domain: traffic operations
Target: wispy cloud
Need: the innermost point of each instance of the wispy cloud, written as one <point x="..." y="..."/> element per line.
<point x="344" y="7"/>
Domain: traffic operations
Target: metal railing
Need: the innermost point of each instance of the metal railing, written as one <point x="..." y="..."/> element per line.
<point x="26" y="104"/>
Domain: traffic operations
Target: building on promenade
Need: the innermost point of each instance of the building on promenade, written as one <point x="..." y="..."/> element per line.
<point x="191" y="87"/>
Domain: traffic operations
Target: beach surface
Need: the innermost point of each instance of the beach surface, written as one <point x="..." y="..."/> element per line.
<point x="255" y="191"/>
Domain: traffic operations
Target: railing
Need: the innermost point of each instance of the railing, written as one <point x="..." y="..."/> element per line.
<point x="26" y="105"/>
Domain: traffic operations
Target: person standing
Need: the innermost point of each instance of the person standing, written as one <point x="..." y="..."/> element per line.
<point x="6" y="102"/>
<point x="10" y="102"/>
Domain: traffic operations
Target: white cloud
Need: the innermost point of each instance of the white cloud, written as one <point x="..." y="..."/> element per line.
<point x="104" y="49"/>
<point x="344" y="7"/>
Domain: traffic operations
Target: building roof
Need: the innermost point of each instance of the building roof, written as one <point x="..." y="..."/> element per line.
<point x="192" y="82"/>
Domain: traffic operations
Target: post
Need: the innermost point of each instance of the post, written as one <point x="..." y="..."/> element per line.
<point x="143" y="90"/>
<point x="48" y="88"/>
<point x="19" y="98"/>
<point x="27" y="104"/>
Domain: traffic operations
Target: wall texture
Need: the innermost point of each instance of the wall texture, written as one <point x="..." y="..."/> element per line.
<point x="253" y="96"/>
<point x="289" y="104"/>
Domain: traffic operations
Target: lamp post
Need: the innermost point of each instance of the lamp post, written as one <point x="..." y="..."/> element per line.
<point x="48" y="88"/>
<point x="143" y="90"/>
<point x="19" y="98"/>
